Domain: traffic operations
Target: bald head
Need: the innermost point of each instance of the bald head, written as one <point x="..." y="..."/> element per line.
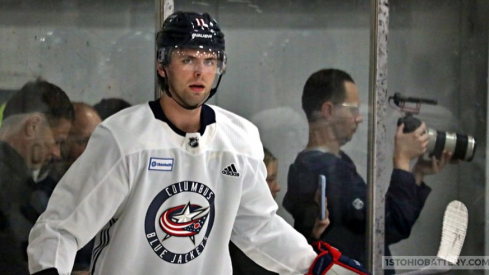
<point x="86" y="119"/>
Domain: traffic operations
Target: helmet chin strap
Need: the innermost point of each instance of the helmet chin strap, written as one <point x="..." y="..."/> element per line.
<point x="214" y="90"/>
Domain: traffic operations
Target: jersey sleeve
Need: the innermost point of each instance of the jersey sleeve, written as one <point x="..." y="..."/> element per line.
<point x="263" y="235"/>
<point x="85" y="199"/>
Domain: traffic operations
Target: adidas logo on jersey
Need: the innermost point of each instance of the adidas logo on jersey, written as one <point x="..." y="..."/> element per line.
<point x="230" y="171"/>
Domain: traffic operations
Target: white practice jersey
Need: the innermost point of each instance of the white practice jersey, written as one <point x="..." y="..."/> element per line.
<point x="160" y="201"/>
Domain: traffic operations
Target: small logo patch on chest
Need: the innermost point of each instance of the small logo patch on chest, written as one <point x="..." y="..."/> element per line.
<point x="160" y="164"/>
<point x="193" y="142"/>
<point x="358" y="204"/>
<point x="230" y="171"/>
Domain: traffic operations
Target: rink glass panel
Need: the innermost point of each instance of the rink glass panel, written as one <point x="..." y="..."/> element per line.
<point x="100" y="49"/>
<point x="439" y="50"/>
<point x="272" y="48"/>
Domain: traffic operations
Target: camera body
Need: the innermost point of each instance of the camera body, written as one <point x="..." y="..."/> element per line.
<point x="461" y="146"/>
<point x="410" y="123"/>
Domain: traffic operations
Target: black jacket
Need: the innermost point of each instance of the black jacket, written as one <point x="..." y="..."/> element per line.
<point x="346" y="192"/>
<point x="16" y="214"/>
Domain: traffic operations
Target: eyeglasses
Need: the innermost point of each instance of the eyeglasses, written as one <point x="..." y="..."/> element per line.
<point x="354" y="108"/>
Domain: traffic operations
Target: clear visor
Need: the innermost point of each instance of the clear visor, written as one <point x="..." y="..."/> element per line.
<point x="201" y="60"/>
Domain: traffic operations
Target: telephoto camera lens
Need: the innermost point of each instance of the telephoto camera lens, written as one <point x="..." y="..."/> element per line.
<point x="461" y="146"/>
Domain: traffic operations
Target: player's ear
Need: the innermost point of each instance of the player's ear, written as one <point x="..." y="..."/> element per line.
<point x="161" y="72"/>
<point x="32" y="125"/>
<point x="327" y="109"/>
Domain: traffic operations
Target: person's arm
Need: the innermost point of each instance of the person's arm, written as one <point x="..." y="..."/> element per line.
<point x="407" y="193"/>
<point x="321" y="224"/>
<point x="404" y="202"/>
<point x="302" y="202"/>
<point x="425" y="167"/>
<point x="263" y="235"/>
<point x="85" y="199"/>
<point x="306" y="222"/>
<point x="270" y="241"/>
<point x="405" y="198"/>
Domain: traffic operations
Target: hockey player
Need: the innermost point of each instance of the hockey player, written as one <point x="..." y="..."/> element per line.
<point x="165" y="185"/>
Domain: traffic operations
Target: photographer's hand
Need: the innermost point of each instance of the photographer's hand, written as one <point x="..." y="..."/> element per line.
<point x="408" y="146"/>
<point x="425" y="167"/>
<point x="320" y="225"/>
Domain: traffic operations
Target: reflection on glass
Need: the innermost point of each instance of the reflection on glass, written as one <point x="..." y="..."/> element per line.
<point x="93" y="52"/>
<point x="272" y="50"/>
<point x="436" y="50"/>
<point x="36" y="121"/>
<point x="100" y="50"/>
<point x="440" y="51"/>
<point x="90" y="49"/>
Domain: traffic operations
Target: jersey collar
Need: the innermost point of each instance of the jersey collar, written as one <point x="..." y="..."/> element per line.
<point x="207" y="117"/>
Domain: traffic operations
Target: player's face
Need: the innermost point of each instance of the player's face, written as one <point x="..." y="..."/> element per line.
<point x="272" y="178"/>
<point x="46" y="145"/>
<point x="191" y="74"/>
<point x="347" y="115"/>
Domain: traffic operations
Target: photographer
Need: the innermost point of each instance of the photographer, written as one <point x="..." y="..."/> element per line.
<point x="331" y="102"/>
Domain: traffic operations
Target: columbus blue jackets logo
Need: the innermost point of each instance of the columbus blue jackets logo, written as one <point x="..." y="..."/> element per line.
<point x="178" y="232"/>
<point x="183" y="221"/>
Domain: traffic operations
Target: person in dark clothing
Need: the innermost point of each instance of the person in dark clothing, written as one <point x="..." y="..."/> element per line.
<point x="36" y="120"/>
<point x="331" y="102"/>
